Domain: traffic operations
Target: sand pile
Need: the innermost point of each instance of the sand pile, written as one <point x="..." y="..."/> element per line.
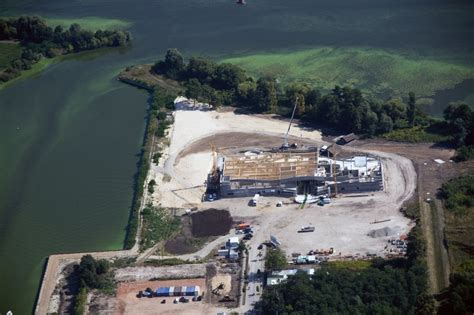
<point x="386" y="231"/>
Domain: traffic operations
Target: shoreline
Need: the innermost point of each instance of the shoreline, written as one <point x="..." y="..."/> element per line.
<point x="52" y="266"/>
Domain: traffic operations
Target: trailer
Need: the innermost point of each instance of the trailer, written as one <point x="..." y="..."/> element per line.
<point x="242" y="226"/>
<point x="306" y="229"/>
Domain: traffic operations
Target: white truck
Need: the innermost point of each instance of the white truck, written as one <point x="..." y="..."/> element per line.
<point x="255" y="200"/>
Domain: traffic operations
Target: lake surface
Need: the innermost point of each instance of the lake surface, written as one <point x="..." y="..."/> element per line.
<point x="69" y="138"/>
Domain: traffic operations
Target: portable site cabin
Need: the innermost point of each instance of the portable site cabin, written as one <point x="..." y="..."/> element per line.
<point x="223" y="252"/>
<point x="301" y="260"/>
<point x="178" y="291"/>
<point x="233" y="242"/>
<point x="192" y="290"/>
<point x="163" y="291"/>
<point x="233" y="254"/>
<point x="311" y="259"/>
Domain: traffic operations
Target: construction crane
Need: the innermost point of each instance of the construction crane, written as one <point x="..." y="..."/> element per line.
<point x="214" y="170"/>
<point x="285" y="145"/>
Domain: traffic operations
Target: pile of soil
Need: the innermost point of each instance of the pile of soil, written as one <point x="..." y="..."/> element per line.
<point x="198" y="229"/>
<point x="211" y="222"/>
<point x="386" y="231"/>
<point x="182" y="245"/>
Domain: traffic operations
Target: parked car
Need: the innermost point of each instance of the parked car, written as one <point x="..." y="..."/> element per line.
<point x="260" y="247"/>
<point x="163" y="301"/>
<point x="140" y="294"/>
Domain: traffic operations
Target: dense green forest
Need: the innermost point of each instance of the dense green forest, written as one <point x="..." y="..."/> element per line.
<point x="459" y="194"/>
<point x="91" y="274"/>
<point x="458" y="298"/>
<point x="343" y="108"/>
<point x="38" y="40"/>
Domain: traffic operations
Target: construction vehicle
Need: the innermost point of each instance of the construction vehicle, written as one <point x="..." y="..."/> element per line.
<point x="306" y="229"/>
<point x="227" y="298"/>
<point x="216" y="290"/>
<point x="254" y="200"/>
<point x="285" y="145"/>
<point x="242" y="226"/>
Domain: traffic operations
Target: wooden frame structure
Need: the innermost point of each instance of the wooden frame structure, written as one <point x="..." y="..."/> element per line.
<point x="271" y="166"/>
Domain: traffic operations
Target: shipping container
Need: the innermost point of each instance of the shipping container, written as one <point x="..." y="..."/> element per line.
<point x="192" y="290"/>
<point x="243" y="226"/>
<point x="177" y="291"/>
<point x="223" y="252"/>
<point x="163" y="291"/>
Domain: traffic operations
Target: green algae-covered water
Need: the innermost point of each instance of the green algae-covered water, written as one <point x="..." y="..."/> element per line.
<point x="69" y="136"/>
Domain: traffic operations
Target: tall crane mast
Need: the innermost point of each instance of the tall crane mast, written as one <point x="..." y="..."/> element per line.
<point x="285" y="142"/>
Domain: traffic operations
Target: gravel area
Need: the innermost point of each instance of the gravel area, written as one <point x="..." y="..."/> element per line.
<point x="165" y="272"/>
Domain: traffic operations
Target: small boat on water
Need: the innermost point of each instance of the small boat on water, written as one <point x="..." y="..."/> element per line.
<point x="240" y="2"/>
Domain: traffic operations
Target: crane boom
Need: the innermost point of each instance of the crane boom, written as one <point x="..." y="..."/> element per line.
<point x="285" y="143"/>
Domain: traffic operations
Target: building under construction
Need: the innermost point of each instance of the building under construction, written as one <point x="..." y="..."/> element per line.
<point x="292" y="172"/>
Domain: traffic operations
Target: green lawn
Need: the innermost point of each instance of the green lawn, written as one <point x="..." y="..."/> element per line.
<point x="417" y="135"/>
<point x="351" y="264"/>
<point x="371" y="69"/>
<point x="8" y="52"/>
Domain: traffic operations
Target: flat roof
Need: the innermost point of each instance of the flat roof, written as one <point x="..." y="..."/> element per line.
<point x="233" y="239"/>
<point x="271" y="166"/>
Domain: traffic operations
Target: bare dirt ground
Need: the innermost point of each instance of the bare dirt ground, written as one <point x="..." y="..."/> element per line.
<point x="197" y="229"/>
<point x="343" y="225"/>
<point x="187" y="161"/>
<point x="211" y="222"/>
<point x="148" y="272"/>
<point x="206" y="276"/>
<point x="130" y="304"/>
<point x="224" y="279"/>
<point x="431" y="176"/>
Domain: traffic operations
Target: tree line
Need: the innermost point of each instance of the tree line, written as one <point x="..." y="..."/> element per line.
<point x="386" y="287"/>
<point x="91" y="274"/>
<point x="42" y="41"/>
<point x="161" y="102"/>
<point x="458" y="195"/>
<point x="344" y="108"/>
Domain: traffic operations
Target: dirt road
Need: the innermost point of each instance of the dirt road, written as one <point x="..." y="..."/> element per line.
<point x="430" y="177"/>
